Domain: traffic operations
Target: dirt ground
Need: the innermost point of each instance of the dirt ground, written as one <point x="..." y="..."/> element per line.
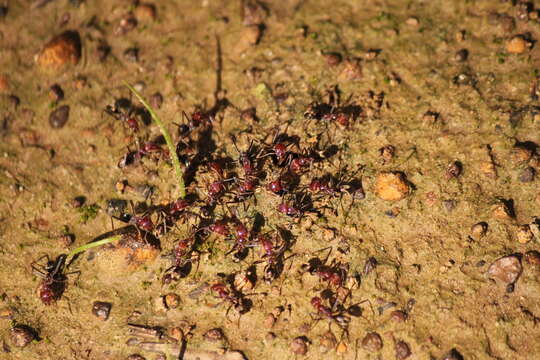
<point x="429" y="108"/>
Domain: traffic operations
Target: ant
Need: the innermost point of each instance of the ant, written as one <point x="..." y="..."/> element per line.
<point x="216" y="188"/>
<point x="54" y="281"/>
<point x="297" y="206"/>
<point x="279" y="148"/>
<point x="123" y="110"/>
<point x="335" y="273"/>
<point x="334" y="111"/>
<point x="143" y="222"/>
<point x="234" y="298"/>
<point x="273" y="253"/>
<point x="335" y="312"/>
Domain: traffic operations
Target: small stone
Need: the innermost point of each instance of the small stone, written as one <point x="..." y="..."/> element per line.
<point x="462" y="55"/>
<point x="214" y="335"/>
<point x="101" y="310"/>
<point x="460" y="35"/>
<point x="502" y="211"/>
<point x="506" y="269"/>
<point x="145" y="12"/>
<point x="527" y="174"/>
<point x="65" y="240"/>
<point x="452" y="355"/>
<point x="156" y="100"/>
<point x="243" y="281"/>
<point x="56" y="93"/>
<point x="131" y="55"/>
<point x="521" y="154"/>
<point x="387" y="153"/>
<point x="270" y="336"/>
<point x="402" y="349"/>
<point x="372" y="342"/>
<point x="249" y="115"/>
<point x="399" y="316"/>
<point x="139" y="86"/>
<point x="454" y="170"/>
<point x="342" y="348"/>
<point x="78" y="201"/>
<point x="352" y="70"/>
<point x="328" y="341"/>
<point x="412" y="21"/>
<point x="80" y="82"/>
<point x="62" y="50"/>
<point x="449" y="205"/>
<point x="479" y="230"/>
<point x="14" y="101"/>
<point x="135" y="357"/>
<point x="524" y="234"/>
<point x="332" y="59"/>
<point x="176" y="333"/>
<point x="7" y="313"/>
<point x="254" y="13"/>
<point x="269" y="321"/>
<point x="277" y="311"/>
<point x="299" y="346"/>
<point x="22" y="335"/>
<point x="171" y="300"/>
<point x="102" y="51"/>
<point x="488" y="169"/>
<point x="517" y="45"/>
<point x="59" y="117"/>
<point x="391" y="186"/>
<point x="4" y="84"/>
<point x="252" y="35"/>
<point x="532" y="257"/>
<point x="127" y="23"/>
<point x="507" y="23"/>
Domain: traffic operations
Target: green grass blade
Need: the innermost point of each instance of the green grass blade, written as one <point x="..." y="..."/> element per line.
<point x="168" y="140"/>
<point x="94" y="244"/>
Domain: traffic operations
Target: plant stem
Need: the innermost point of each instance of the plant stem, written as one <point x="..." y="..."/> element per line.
<point x="94" y="244"/>
<point x="168" y="140"/>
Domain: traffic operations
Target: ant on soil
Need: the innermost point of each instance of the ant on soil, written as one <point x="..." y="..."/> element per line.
<point x="334" y="111"/>
<point x="54" y="280"/>
<point x="124" y="111"/>
<point x="235" y="298"/>
<point x="296" y="205"/>
<point x="274" y="250"/>
<point x="335" y="311"/>
<point x="182" y="255"/>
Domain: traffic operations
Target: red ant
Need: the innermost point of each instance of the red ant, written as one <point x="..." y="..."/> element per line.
<point x="54" y="281"/>
<point x="334" y="313"/>
<point x="296" y="206"/>
<point x="182" y="259"/>
<point x="216" y="188"/>
<point x="334" y="274"/>
<point x="276" y="187"/>
<point x="123" y="110"/>
<point x="300" y="162"/>
<point x="234" y="298"/>
<point x="273" y="254"/>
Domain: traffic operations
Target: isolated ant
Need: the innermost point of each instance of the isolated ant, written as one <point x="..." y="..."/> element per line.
<point x="54" y="281"/>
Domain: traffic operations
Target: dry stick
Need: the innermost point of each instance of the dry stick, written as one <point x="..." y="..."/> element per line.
<point x="168" y="140"/>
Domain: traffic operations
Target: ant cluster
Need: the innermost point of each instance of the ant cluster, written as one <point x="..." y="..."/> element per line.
<point x="272" y="167"/>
